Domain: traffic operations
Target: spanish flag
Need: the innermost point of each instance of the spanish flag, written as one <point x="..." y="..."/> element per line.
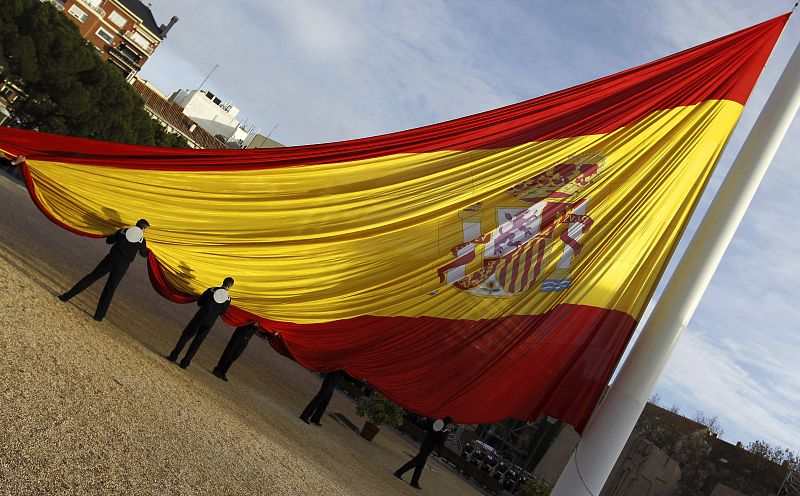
<point x="488" y="267"/>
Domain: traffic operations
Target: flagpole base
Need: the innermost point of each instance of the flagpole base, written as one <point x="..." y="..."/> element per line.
<point x="603" y="440"/>
<point x="571" y="482"/>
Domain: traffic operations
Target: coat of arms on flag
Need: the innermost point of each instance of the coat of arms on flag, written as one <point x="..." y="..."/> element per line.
<point x="532" y="237"/>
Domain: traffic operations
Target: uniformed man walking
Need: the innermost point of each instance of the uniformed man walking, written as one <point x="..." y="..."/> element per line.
<point x="434" y="440"/>
<point x="127" y="243"/>
<point x="238" y="342"/>
<point x="316" y="407"/>
<point x="213" y="303"/>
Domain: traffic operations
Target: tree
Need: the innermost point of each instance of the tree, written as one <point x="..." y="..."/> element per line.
<point x="775" y="454"/>
<point x="69" y="89"/>
<point x="683" y="440"/>
<point x="693" y="444"/>
<point x="380" y="410"/>
<point x="712" y="423"/>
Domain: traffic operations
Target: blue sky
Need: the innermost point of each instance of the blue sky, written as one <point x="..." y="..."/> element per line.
<point x="329" y="71"/>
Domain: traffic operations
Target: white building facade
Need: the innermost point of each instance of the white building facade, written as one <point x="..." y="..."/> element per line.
<point x="216" y="117"/>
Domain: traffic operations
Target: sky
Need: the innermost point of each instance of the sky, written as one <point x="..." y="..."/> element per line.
<point x="330" y="71"/>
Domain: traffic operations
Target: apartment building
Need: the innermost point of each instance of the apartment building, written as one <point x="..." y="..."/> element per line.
<point x="124" y="32"/>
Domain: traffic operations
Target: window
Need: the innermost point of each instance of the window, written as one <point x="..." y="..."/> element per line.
<point x="117" y="19"/>
<point x="6" y="92"/>
<point x="108" y="37"/>
<point x="78" y="14"/>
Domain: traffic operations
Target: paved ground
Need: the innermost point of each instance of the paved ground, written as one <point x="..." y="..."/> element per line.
<point x="94" y="408"/>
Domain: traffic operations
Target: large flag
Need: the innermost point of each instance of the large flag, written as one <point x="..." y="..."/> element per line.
<point x="487" y="267"/>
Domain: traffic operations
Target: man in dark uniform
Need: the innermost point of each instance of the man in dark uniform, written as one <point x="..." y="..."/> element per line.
<point x="319" y="403"/>
<point x="434" y="440"/>
<point x="201" y="323"/>
<point x="238" y="342"/>
<point x="115" y="264"/>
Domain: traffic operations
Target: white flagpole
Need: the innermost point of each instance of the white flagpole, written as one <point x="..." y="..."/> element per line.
<point x="613" y="421"/>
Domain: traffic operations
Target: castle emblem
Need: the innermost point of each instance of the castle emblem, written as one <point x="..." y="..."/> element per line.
<point x="532" y="239"/>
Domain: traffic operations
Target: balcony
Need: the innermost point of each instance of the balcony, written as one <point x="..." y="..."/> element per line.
<point x="90" y="5"/>
<point x="123" y="51"/>
<point x="123" y="59"/>
<point x="142" y="45"/>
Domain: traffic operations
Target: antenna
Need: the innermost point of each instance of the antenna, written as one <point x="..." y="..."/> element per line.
<point x="273" y="130"/>
<point x="216" y="66"/>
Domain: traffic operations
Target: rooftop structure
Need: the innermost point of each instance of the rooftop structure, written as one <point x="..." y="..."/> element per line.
<point x="220" y="118"/>
<point x="172" y="118"/>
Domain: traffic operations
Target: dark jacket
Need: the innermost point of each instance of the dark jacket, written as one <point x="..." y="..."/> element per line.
<point x="123" y="250"/>
<point x="434" y="440"/>
<point x="210" y="309"/>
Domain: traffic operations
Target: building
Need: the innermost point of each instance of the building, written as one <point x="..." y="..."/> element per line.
<point x="220" y="119"/>
<point x="258" y="141"/>
<point x="9" y="93"/>
<point x="647" y="466"/>
<point x="124" y="32"/>
<point x="200" y="117"/>
<point x="172" y="118"/>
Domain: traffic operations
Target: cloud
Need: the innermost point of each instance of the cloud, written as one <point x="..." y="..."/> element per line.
<point x="705" y="372"/>
<point x="336" y="71"/>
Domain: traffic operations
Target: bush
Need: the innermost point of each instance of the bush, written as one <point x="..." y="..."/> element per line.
<point x="534" y="487"/>
<point x="379" y="410"/>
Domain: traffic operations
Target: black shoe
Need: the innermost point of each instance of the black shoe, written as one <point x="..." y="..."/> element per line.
<point x="99" y="319"/>
<point x="183" y="365"/>
<point x="415" y="486"/>
<point x="398" y="475"/>
<point x="63" y="297"/>
<point x="171" y="358"/>
<point x="303" y="419"/>
<point x="219" y="375"/>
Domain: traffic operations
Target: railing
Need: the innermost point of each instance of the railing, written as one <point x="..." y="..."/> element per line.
<point x="96" y="9"/>
<point x="128" y="36"/>
<point x="123" y="57"/>
<point x="59" y="4"/>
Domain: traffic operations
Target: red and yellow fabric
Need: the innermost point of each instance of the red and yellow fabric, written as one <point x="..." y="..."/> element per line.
<point x="488" y="267"/>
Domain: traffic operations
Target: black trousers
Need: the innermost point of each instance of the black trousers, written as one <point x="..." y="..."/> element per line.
<point x="320" y="402"/>
<point x="115" y="269"/>
<point x="198" y="328"/>
<point x="417" y="463"/>
<point x="233" y="350"/>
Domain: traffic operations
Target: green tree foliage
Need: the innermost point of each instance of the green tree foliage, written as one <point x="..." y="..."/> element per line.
<point x="69" y="89"/>
<point x="380" y="410"/>
<point x="534" y="487"/>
